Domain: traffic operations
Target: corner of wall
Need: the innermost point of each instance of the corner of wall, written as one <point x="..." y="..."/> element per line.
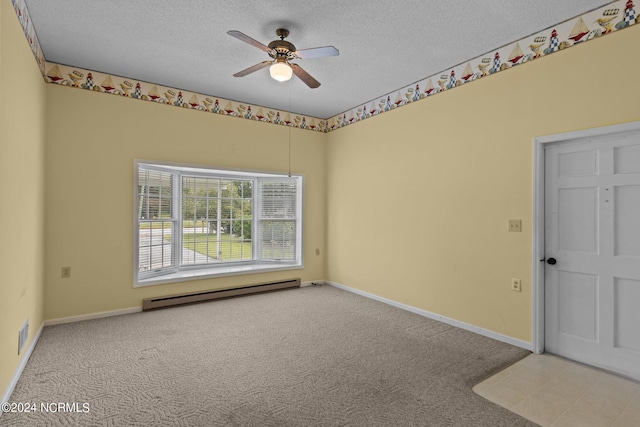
<point x="22" y="135"/>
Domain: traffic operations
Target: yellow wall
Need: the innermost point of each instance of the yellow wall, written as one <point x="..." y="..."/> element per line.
<point x="419" y="198"/>
<point x="22" y="100"/>
<point x="92" y="141"/>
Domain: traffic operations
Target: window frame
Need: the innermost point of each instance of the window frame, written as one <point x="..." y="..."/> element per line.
<point x="178" y="272"/>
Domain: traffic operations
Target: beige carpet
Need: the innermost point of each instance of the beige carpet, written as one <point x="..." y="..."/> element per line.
<point x="315" y="356"/>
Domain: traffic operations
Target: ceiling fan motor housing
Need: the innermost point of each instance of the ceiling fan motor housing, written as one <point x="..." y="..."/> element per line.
<point x="281" y="49"/>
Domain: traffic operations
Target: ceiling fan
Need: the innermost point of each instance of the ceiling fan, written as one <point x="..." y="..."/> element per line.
<point x="282" y="52"/>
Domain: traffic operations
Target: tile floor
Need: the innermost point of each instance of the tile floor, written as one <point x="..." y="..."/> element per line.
<point x="552" y="391"/>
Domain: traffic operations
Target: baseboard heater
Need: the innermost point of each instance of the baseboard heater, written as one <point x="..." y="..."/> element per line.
<point x="194" y="297"/>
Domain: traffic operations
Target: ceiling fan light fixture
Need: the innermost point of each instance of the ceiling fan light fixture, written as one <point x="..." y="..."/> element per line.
<point x="280" y="71"/>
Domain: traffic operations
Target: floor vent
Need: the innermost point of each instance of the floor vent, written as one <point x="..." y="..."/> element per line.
<point x="23" y="336"/>
<point x="190" y="298"/>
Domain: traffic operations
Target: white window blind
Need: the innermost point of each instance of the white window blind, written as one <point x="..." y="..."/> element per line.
<point x="278" y="218"/>
<point x="156" y="222"/>
<point x="217" y="220"/>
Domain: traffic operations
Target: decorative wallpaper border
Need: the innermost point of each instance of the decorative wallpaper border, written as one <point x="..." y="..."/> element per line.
<point x="131" y="88"/>
<point x="29" y="32"/>
<point x="615" y="16"/>
<point x="100" y="82"/>
<point x="607" y="19"/>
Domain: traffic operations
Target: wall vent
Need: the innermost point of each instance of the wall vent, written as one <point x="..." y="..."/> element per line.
<point x="191" y="298"/>
<point x="23" y="336"/>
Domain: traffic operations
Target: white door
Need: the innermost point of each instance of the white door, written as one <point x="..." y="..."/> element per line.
<point x="592" y="231"/>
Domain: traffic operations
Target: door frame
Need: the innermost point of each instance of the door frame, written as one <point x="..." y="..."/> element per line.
<point x="538" y="251"/>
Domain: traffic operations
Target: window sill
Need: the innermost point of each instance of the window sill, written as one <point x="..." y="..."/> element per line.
<point x="207" y="273"/>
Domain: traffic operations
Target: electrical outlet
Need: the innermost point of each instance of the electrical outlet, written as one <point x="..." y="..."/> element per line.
<point x="515" y="225"/>
<point x="66" y="272"/>
<point x="516" y="285"/>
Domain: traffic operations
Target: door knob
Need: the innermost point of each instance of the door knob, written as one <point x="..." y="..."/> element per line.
<point x="551" y="261"/>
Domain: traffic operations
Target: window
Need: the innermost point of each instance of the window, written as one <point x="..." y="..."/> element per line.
<point x="197" y="222"/>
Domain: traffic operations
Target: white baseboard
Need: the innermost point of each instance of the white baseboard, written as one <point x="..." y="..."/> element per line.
<point x="90" y="316"/>
<point x="16" y="376"/>
<point x="481" y="331"/>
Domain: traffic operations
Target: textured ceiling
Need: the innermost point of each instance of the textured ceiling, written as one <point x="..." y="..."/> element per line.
<point x="383" y="45"/>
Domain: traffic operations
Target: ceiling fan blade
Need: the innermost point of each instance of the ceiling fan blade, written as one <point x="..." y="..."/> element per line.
<point x="245" y="38"/>
<point x="304" y="76"/>
<point x="252" y="69"/>
<point x="317" y="52"/>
